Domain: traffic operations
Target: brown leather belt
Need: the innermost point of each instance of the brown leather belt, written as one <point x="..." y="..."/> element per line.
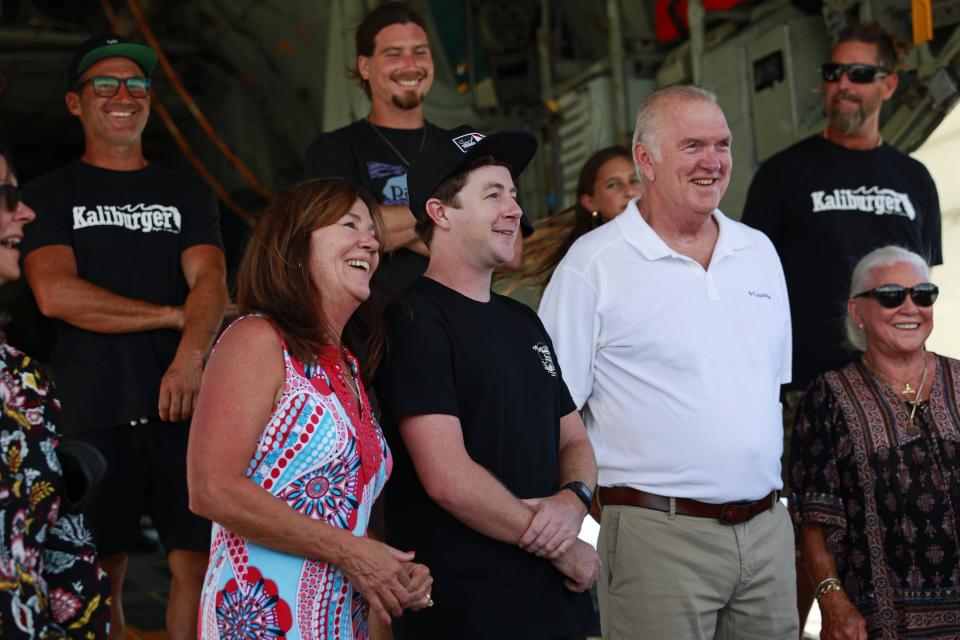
<point x="728" y="513"/>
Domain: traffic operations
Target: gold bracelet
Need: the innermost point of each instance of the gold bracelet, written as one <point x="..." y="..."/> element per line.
<point x="827" y="585"/>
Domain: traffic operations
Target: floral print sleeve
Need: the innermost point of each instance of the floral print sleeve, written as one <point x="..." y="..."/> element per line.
<point x="883" y="479"/>
<point x="819" y="442"/>
<point x="50" y="584"/>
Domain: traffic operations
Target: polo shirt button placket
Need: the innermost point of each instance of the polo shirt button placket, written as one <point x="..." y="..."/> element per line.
<point x="712" y="292"/>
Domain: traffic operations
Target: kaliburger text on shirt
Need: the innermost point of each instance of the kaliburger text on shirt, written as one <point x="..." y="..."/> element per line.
<point x="135" y="217"/>
<point x="867" y="199"/>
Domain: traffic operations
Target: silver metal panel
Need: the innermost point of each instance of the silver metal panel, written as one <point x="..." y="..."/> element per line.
<point x="785" y="108"/>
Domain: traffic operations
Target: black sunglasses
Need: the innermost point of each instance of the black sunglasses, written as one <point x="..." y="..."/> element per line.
<point x="858" y="73"/>
<point x="10" y="196"/>
<point x="109" y="86"/>
<point x="891" y="296"/>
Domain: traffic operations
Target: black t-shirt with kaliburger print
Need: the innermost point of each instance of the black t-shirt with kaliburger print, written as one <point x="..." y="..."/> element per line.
<point x="825" y="207"/>
<point x="127" y="230"/>
<point x="357" y="153"/>
<point x="492" y="366"/>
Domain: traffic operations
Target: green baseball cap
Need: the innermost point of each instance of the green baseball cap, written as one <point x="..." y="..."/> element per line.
<point x="109" y="45"/>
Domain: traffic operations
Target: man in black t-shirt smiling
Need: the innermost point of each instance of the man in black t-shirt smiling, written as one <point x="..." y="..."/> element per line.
<point x="827" y="201"/>
<point x="126" y="255"/>
<point x="493" y="472"/>
<point x="395" y="70"/>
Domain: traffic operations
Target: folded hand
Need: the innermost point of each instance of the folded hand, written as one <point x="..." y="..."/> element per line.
<point x="554" y="526"/>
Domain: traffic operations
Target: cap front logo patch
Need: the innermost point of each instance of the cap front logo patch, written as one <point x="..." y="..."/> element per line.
<point x="467" y="140"/>
<point x="112" y="41"/>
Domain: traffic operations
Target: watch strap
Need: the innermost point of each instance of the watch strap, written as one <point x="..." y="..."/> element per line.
<point x="580" y="490"/>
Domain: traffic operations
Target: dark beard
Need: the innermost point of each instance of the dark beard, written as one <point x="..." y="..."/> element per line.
<point x="844" y="120"/>
<point x="407" y="101"/>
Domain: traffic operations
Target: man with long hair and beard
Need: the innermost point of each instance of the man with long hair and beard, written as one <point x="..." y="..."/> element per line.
<point x="829" y="200"/>
<point x="395" y="69"/>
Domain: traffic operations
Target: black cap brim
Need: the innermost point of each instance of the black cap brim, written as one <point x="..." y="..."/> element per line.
<point x="439" y="162"/>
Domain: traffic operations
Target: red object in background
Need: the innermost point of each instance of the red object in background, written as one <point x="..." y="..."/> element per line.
<point x="670" y="17"/>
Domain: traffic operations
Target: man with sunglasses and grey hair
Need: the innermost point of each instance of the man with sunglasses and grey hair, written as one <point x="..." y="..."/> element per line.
<point x="126" y="256"/>
<point x="830" y="199"/>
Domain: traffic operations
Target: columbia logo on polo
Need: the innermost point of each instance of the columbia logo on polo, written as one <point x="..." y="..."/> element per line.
<point x="466" y="141"/>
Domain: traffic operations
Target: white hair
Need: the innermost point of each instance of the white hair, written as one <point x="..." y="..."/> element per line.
<point x="647" y="113"/>
<point x="861" y="281"/>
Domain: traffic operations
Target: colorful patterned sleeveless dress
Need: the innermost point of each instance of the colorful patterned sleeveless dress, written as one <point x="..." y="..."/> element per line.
<point x="329" y="461"/>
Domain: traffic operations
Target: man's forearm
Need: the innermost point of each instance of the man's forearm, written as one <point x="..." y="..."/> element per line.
<point x="577" y="462"/>
<point x="203" y="313"/>
<point x="478" y="500"/>
<point x="400" y="226"/>
<point x="87" y="306"/>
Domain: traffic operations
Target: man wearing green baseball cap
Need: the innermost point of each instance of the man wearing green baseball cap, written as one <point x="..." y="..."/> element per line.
<point x="126" y="256"/>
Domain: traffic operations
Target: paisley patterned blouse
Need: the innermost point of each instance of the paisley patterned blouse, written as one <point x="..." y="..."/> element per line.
<point x="322" y="453"/>
<point x="50" y="584"/>
<point x="887" y="494"/>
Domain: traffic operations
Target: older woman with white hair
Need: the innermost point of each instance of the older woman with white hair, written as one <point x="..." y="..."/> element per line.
<point x="875" y="466"/>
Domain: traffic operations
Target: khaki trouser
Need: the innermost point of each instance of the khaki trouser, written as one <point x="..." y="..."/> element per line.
<point x="690" y="578"/>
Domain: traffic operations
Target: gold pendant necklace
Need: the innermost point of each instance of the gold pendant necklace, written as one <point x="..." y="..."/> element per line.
<point x="907" y="390"/>
<point x="912" y="429"/>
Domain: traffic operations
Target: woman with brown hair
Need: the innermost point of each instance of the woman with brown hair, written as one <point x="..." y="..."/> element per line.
<point x="285" y="455"/>
<point x="607" y="183"/>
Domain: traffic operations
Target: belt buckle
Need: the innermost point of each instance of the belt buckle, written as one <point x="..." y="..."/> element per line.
<point x="735" y="512"/>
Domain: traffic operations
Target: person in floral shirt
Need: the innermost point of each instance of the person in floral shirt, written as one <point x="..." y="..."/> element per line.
<point x="50" y="584"/>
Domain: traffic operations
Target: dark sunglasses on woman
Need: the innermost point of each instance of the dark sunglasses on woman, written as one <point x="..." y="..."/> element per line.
<point x="9" y="196"/>
<point x="109" y="86"/>
<point x="891" y="296"/>
<point x="857" y="73"/>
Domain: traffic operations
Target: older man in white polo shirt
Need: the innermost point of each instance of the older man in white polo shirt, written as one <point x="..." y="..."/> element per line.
<point x="673" y="328"/>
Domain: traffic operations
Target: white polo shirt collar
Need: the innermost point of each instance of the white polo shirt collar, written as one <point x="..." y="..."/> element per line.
<point x="651" y="246"/>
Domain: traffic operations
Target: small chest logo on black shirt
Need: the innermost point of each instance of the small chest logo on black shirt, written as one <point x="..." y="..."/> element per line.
<point x="546" y="359"/>
<point x="134" y="217"/>
<point x="867" y="199"/>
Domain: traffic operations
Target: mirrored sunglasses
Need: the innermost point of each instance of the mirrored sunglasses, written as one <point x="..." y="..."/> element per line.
<point x="9" y="196"/>
<point x="109" y="86"/>
<point x="891" y="296"/>
<point x="857" y="73"/>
